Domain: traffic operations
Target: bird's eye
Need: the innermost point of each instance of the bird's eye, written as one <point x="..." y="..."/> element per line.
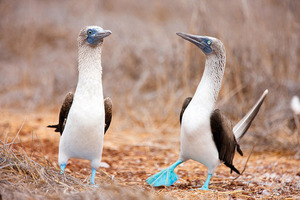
<point x="89" y="32"/>
<point x="208" y="42"/>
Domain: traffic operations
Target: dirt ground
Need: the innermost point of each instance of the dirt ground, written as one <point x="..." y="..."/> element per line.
<point x="133" y="156"/>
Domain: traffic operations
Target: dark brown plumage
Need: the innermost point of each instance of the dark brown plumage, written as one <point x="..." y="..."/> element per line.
<point x="224" y="138"/>
<point x="108" y="112"/>
<point x="65" y="108"/>
<point x="184" y="106"/>
<point x="63" y="113"/>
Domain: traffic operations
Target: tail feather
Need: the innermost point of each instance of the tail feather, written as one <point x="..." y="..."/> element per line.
<point x="54" y="126"/>
<point x="232" y="168"/>
<point x="242" y="126"/>
<point x="238" y="148"/>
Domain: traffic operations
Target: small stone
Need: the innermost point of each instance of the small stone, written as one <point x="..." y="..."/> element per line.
<point x="104" y="165"/>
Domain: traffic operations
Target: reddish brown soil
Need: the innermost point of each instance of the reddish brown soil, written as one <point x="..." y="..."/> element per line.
<point x="135" y="155"/>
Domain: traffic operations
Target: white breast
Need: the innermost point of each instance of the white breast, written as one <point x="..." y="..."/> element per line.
<point x="196" y="137"/>
<point x="84" y="131"/>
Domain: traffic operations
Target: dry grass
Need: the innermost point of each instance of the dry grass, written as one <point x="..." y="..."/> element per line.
<point x="24" y="177"/>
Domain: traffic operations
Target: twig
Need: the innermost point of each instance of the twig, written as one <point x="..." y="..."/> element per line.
<point x="245" y="166"/>
<point x="11" y="143"/>
<point x="231" y="94"/>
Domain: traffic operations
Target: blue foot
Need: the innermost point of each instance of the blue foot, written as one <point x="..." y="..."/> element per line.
<point x="165" y="177"/>
<point x="94" y="185"/>
<point x="205" y="186"/>
<point x="92" y="181"/>
<point x="62" y="168"/>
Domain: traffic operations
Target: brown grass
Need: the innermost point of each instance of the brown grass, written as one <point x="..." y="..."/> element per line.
<point x="24" y="177"/>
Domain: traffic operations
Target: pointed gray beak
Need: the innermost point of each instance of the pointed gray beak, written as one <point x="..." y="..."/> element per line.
<point x="200" y="41"/>
<point x="97" y="37"/>
<point x="102" y="34"/>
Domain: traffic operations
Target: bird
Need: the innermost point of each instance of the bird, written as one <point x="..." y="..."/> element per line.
<point x="65" y="108"/>
<point x="295" y="105"/>
<point x="207" y="136"/>
<point x="82" y="135"/>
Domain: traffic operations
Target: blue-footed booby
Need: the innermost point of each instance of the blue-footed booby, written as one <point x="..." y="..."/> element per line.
<point x="206" y="134"/>
<point x="82" y="135"/>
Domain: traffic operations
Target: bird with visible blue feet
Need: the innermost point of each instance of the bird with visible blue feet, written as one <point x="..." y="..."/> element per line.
<point x="83" y="120"/>
<point x="206" y="134"/>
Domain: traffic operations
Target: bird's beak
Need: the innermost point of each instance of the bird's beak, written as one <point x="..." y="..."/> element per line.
<point x="97" y="37"/>
<point x="199" y="41"/>
<point x="102" y="34"/>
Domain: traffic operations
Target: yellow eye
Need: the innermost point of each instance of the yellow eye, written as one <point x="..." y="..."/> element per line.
<point x="208" y="42"/>
<point x="89" y="32"/>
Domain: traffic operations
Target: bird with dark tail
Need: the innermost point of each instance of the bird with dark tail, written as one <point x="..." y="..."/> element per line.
<point x="82" y="115"/>
<point x="206" y="134"/>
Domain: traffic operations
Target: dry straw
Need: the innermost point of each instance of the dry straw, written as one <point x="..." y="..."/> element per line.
<point x="27" y="177"/>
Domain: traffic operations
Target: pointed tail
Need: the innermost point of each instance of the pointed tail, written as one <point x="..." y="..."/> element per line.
<point x="54" y="126"/>
<point x="242" y="126"/>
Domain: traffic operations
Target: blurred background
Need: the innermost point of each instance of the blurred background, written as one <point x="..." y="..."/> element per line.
<point x="148" y="70"/>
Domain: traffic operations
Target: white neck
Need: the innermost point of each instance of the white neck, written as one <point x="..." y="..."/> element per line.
<point x="211" y="81"/>
<point x="90" y="71"/>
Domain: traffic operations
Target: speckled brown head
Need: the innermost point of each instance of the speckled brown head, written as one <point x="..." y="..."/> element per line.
<point x="92" y="36"/>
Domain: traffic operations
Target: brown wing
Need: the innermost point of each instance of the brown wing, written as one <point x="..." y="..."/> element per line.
<point x="224" y="138"/>
<point x="63" y="114"/>
<point x="184" y="106"/>
<point x="108" y="113"/>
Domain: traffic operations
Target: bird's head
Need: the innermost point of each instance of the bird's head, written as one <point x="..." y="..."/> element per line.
<point x="92" y="36"/>
<point x="209" y="45"/>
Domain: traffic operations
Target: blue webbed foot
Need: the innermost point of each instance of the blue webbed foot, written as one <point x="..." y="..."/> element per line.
<point x="62" y="168"/>
<point x="165" y="177"/>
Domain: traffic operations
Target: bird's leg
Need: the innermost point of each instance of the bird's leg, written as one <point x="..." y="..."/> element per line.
<point x="62" y="168"/>
<point x="178" y="162"/>
<point x="92" y="181"/>
<point x="205" y="186"/>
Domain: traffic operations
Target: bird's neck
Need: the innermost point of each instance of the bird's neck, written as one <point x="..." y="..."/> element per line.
<point x="211" y="81"/>
<point x="90" y="71"/>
